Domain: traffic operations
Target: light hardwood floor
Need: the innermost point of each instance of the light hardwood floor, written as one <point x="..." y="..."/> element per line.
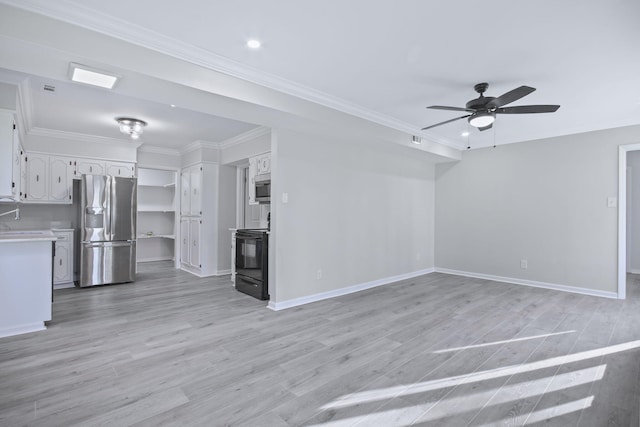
<point x="438" y="350"/>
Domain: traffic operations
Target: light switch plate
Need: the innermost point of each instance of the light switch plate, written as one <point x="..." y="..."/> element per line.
<point x="285" y="197"/>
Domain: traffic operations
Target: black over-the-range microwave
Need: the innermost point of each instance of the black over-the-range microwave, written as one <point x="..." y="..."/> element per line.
<point x="263" y="188"/>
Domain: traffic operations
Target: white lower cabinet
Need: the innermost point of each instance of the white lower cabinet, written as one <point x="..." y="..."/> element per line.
<point x="63" y="259"/>
<point x="190" y="243"/>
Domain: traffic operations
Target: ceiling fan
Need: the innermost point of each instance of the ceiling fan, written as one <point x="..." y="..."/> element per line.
<point x="482" y="110"/>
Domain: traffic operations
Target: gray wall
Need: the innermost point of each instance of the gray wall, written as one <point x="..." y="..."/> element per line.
<point x="357" y="211"/>
<point x="544" y="201"/>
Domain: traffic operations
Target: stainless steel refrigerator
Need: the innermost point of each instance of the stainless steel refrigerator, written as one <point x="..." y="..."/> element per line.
<point x="108" y="208"/>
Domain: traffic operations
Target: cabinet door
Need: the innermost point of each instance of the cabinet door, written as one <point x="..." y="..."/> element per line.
<point x="253" y="170"/>
<point x="196" y="190"/>
<point x="184" y="241"/>
<point x="126" y="170"/>
<point x="194" y="236"/>
<point x="185" y="192"/>
<point x="264" y="164"/>
<point x="17" y="166"/>
<point x="37" y="173"/>
<point x="6" y="154"/>
<point x="62" y="271"/>
<point x="90" y="167"/>
<point x="60" y="179"/>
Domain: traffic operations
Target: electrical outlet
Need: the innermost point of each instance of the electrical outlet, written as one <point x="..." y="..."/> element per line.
<point x="524" y="264"/>
<point x="319" y="274"/>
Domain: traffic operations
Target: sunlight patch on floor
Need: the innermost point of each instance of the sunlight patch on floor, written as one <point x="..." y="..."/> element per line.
<point x="467" y="347"/>
<point x="453" y="381"/>
<point x="513" y="392"/>
<point x="559" y="410"/>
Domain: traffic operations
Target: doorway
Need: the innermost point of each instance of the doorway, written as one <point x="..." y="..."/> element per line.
<point x="623" y="152"/>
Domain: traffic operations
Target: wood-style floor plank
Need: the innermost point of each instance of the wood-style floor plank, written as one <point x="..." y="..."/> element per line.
<point x="173" y="349"/>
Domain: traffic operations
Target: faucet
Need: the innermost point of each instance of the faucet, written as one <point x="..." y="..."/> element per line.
<point x="16" y="210"/>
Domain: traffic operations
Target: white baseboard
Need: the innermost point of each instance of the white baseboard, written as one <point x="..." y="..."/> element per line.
<point x="281" y="305"/>
<point x="22" y="329"/>
<point x="154" y="259"/>
<point x="633" y="271"/>
<point x="199" y="274"/>
<point x="66" y="285"/>
<point x="545" y="285"/>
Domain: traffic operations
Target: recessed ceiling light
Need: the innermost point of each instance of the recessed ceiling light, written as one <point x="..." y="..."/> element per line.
<point x="465" y="133"/>
<point x="173" y="105"/>
<point x="254" y="44"/>
<point x="92" y="76"/>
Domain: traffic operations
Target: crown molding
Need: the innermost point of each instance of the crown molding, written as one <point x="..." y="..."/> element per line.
<point x="199" y="144"/>
<point x="85" y="17"/>
<point x="81" y="137"/>
<point x="245" y="137"/>
<point x="159" y="150"/>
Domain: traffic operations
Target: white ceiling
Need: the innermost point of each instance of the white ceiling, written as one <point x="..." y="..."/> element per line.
<point x="380" y="60"/>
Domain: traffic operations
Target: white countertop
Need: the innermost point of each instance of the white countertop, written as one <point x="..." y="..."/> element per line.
<point x="13" y="236"/>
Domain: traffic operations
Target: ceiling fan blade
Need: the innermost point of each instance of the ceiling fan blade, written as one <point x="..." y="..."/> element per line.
<point x="489" y="126"/>
<point x="443" y="107"/>
<point x="526" y="109"/>
<point x="511" y="96"/>
<point x="448" y="121"/>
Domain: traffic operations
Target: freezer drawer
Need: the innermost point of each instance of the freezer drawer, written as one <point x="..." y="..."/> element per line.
<point x="102" y="263"/>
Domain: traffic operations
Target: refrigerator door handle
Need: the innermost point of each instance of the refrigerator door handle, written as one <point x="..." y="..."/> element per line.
<point x="107" y="244"/>
<point x="108" y="209"/>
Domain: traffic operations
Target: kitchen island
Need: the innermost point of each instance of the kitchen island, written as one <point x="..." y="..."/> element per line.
<point x="25" y="282"/>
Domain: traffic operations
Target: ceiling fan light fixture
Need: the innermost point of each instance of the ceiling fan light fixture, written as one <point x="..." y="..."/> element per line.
<point x="131" y="127"/>
<point x="482" y="119"/>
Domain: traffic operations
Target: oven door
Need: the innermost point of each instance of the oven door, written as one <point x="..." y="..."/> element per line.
<point x="255" y="288"/>
<point x="249" y="256"/>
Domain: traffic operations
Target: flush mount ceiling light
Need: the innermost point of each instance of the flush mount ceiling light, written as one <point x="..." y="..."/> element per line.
<point x="92" y="76"/>
<point x="482" y="119"/>
<point x="131" y="127"/>
<point x="254" y="44"/>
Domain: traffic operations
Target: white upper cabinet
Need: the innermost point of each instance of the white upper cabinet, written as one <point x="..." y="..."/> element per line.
<point x="90" y="167"/>
<point x="7" y="182"/>
<point x="60" y="179"/>
<point x="126" y="170"/>
<point x="191" y="191"/>
<point x="37" y="173"/>
<point x="196" y="190"/>
<point x="253" y="170"/>
<point x="17" y="166"/>
<point x="103" y="167"/>
<point x="263" y="164"/>
<point x="47" y="179"/>
<point x="185" y="192"/>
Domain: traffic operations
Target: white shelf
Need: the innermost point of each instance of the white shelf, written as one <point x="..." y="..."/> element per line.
<point x="156" y="210"/>
<point x="168" y="186"/>
<point x="156" y="236"/>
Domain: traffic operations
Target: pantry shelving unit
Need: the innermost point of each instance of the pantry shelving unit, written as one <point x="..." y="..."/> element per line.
<point x="156" y="215"/>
